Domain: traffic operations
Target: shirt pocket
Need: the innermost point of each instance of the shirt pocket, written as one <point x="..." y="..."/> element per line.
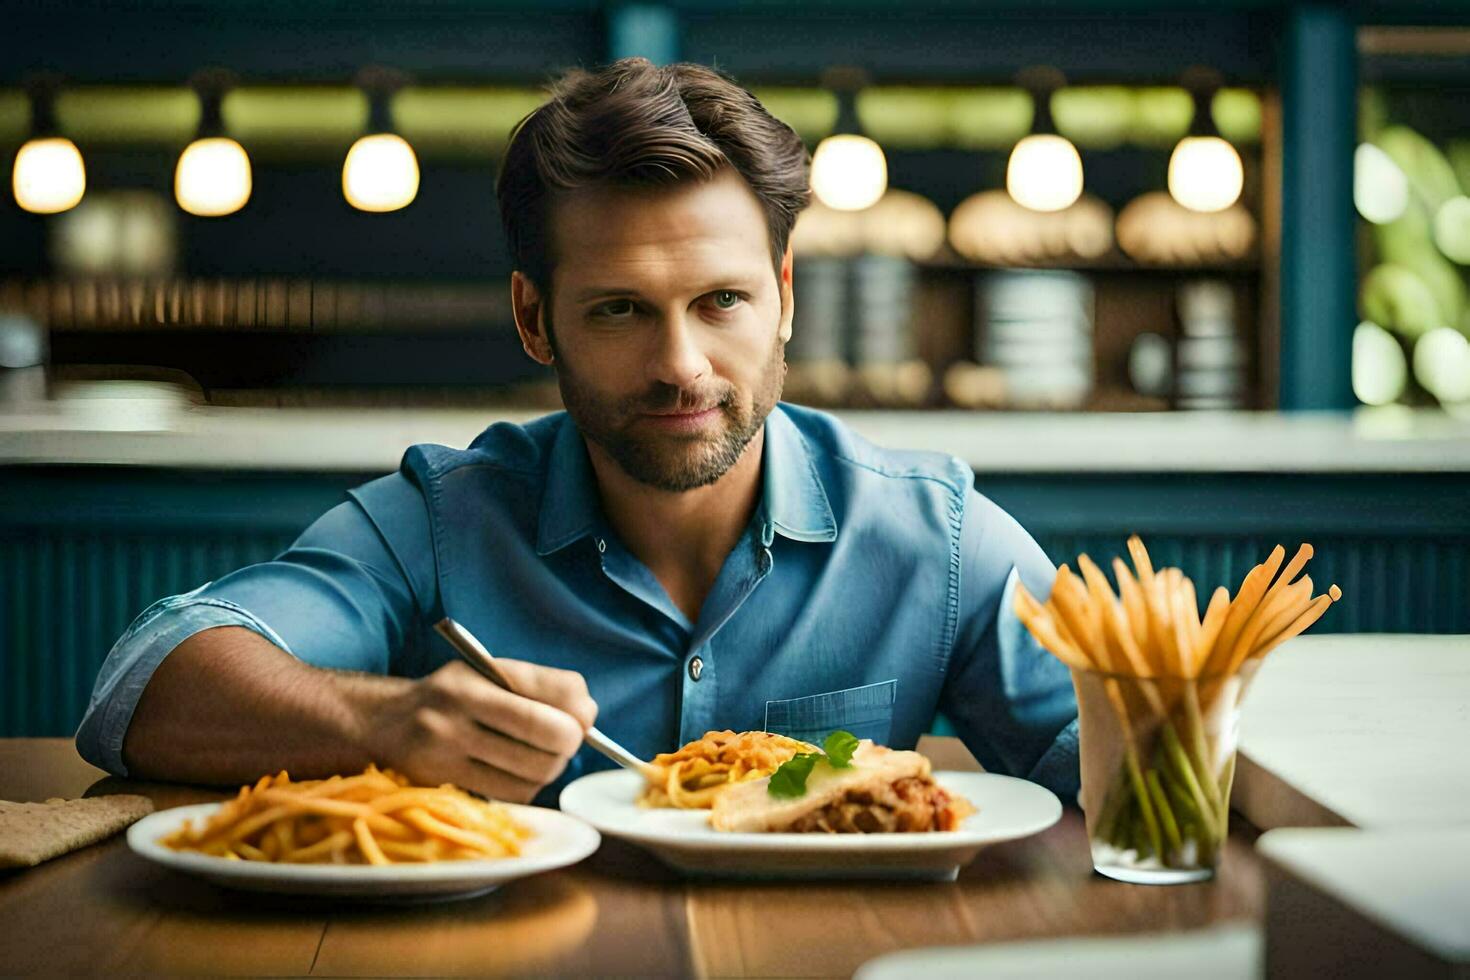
<point x="865" y="711"/>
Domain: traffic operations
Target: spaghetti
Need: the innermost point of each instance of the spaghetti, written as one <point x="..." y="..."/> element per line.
<point x="375" y="817"/>
<point x="691" y="777"/>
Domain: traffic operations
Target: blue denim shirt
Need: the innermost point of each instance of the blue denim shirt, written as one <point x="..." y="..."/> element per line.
<point x="871" y="590"/>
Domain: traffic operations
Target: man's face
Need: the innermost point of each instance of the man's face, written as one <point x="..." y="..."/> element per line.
<point x="669" y="325"/>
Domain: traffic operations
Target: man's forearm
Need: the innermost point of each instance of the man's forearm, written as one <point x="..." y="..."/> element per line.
<point x="227" y="706"/>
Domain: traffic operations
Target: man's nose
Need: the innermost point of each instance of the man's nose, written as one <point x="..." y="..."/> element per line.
<point x="677" y="358"/>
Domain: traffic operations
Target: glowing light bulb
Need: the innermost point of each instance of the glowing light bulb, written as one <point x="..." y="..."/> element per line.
<point x="1205" y="174"/>
<point x="849" y="172"/>
<point x="1380" y="187"/>
<point x="213" y="177"/>
<point x="381" y="173"/>
<point x="1044" y="173"/>
<point x="49" y="176"/>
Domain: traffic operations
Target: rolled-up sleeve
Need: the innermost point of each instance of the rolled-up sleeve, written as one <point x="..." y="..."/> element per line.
<point x="345" y="596"/>
<point x="1011" y="701"/>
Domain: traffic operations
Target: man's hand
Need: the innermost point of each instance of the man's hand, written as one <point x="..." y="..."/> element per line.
<point x="455" y="726"/>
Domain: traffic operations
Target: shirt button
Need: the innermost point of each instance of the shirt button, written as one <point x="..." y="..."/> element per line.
<point x="601" y="546"/>
<point x="696" y="668"/>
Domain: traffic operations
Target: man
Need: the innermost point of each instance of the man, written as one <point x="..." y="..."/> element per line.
<point x="676" y="552"/>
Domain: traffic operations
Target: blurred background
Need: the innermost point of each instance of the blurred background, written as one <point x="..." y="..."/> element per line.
<point x="1196" y="270"/>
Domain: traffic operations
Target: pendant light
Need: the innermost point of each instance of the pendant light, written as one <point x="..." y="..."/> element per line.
<point x="48" y="175"/>
<point x="213" y="175"/>
<point x="1205" y="172"/>
<point x="849" y="170"/>
<point x="381" y="172"/>
<point x="1044" y="172"/>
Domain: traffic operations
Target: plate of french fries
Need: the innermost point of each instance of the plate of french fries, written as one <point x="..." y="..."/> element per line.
<point x="1159" y="688"/>
<point x="373" y="835"/>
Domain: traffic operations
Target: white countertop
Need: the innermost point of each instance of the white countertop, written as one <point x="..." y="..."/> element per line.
<point x="1229" y="952"/>
<point x="1370" y="727"/>
<point x="373" y="440"/>
<point x="1413" y="881"/>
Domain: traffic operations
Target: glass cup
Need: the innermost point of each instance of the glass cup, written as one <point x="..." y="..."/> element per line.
<point x="1158" y="760"/>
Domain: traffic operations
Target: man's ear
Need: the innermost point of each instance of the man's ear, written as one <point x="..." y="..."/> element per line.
<point x="529" y="309"/>
<point x="788" y="298"/>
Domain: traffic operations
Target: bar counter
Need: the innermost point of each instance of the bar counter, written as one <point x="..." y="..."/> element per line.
<point x="1391" y="440"/>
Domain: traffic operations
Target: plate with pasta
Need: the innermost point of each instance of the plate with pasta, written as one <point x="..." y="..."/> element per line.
<point x="752" y="804"/>
<point x="373" y="835"/>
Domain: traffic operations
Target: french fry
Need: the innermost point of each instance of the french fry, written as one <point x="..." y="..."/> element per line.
<point x="366" y="843"/>
<point x="1133" y="602"/>
<point x="1270" y="601"/>
<point x="1036" y="619"/>
<point x="1069" y="598"/>
<point x="1192" y="622"/>
<point x="1116" y="634"/>
<point x="1169" y="799"/>
<point x="1185" y="618"/>
<point x="1313" y="613"/>
<point x="1141" y="560"/>
<point x="1161" y="625"/>
<point x="1070" y="639"/>
<point x="1242" y="606"/>
<point x="1298" y="562"/>
<point x="1291" y="596"/>
<point x="349" y="820"/>
<point x="1287" y="613"/>
<point x="1210" y="628"/>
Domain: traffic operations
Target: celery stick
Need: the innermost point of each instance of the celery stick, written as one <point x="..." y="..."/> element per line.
<point x="1166" y="816"/>
<point x="1186" y="772"/>
<point x="1113" y="801"/>
<point x="1139" y="837"/>
<point x="1140" y="792"/>
<point x="1197" y="737"/>
<point x="1127" y="826"/>
<point x="1206" y="835"/>
<point x="1184" y="807"/>
<point x="1227" y="778"/>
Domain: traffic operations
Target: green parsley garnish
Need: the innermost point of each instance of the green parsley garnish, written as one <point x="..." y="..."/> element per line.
<point x="789" y="781"/>
<point x="840" y="746"/>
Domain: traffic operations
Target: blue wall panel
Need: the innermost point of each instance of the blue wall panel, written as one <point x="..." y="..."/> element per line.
<point x="84" y="550"/>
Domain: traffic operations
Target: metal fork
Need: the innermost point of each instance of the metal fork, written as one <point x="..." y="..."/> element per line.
<point x="473" y="652"/>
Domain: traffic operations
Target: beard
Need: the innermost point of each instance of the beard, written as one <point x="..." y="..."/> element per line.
<point x="674" y="462"/>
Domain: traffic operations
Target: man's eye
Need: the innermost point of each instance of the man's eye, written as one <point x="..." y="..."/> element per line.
<point x="727" y="299"/>
<point x="617" y="308"/>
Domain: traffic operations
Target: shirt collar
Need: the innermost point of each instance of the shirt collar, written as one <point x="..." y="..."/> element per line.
<point x="792" y="499"/>
<point x="569" y="504"/>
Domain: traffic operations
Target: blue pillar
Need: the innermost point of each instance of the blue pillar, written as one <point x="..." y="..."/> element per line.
<point x="645" y="29"/>
<point x="1318" y="278"/>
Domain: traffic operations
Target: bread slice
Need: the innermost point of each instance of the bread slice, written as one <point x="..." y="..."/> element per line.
<point x="34" y="832"/>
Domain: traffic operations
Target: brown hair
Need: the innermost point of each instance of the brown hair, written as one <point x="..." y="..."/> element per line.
<point x="632" y="123"/>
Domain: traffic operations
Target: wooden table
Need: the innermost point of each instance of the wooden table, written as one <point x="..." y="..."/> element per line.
<point x="104" y="910"/>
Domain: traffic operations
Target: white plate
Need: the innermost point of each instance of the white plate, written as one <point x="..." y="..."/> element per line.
<point x="559" y="840"/>
<point x="1009" y="808"/>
